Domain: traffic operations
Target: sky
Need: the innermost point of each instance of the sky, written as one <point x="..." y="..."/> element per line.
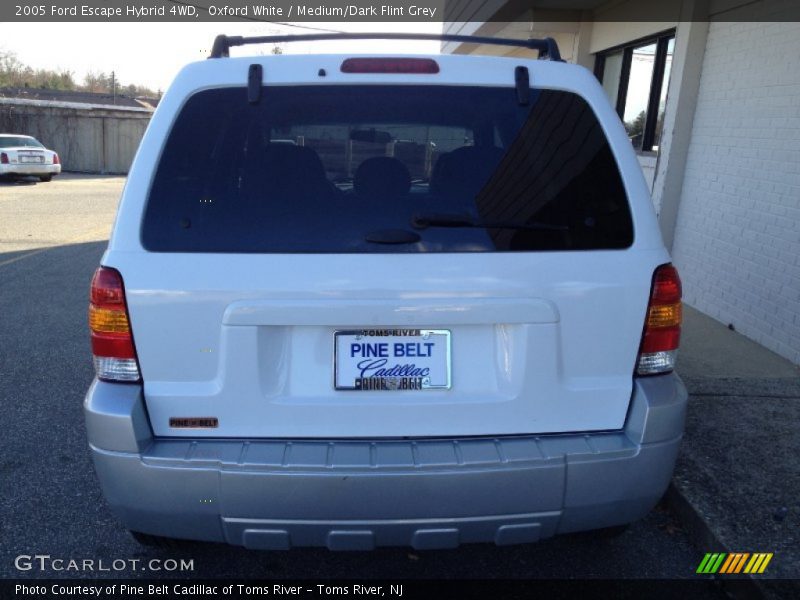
<point x="151" y="54"/>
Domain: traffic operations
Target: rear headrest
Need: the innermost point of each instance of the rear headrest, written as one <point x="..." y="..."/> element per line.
<point x="465" y="171"/>
<point x="294" y="162"/>
<point x="288" y="171"/>
<point x="382" y="176"/>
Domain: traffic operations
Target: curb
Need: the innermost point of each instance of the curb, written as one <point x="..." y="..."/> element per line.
<point x="701" y="534"/>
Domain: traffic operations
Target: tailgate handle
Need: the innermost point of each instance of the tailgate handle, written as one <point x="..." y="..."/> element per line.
<point x="404" y="312"/>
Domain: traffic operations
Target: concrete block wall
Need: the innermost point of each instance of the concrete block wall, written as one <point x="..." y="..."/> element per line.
<point x="737" y="237"/>
<point x="90" y="141"/>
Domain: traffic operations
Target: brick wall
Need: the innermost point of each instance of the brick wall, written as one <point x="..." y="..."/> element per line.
<point x="737" y="240"/>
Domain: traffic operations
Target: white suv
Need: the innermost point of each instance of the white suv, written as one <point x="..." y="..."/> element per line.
<point x="356" y="301"/>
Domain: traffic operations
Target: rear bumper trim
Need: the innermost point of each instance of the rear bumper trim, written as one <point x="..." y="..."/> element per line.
<point x="357" y="494"/>
<point x="21" y="169"/>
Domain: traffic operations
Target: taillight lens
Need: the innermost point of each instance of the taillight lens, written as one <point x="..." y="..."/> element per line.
<point x="112" y="342"/>
<point x="3" y="158"/>
<point x="662" y="328"/>
<point x="56" y="160"/>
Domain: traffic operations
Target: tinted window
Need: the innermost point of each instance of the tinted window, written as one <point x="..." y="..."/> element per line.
<point x="386" y="169"/>
<point x="17" y="142"/>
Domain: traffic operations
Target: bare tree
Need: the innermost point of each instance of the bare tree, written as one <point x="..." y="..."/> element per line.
<point x="14" y="73"/>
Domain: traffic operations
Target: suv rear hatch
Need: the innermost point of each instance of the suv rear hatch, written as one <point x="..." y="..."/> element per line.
<point x="386" y="256"/>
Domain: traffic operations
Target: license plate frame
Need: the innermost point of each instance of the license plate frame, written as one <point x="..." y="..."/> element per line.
<point x="414" y="381"/>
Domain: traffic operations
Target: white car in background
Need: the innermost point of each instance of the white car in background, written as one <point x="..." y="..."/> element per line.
<point x="22" y="155"/>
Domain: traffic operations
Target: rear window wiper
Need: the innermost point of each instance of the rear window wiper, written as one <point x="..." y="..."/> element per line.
<point x="424" y="221"/>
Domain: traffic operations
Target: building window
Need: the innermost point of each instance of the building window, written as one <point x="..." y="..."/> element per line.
<point x="636" y="77"/>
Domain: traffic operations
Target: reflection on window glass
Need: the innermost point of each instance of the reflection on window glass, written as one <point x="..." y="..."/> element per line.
<point x="662" y="101"/>
<point x="612" y="71"/>
<point x="635" y="78"/>
<point x="641" y="78"/>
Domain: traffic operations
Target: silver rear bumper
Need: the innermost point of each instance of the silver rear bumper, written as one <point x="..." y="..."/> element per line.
<point x="29" y="169"/>
<point x="359" y="494"/>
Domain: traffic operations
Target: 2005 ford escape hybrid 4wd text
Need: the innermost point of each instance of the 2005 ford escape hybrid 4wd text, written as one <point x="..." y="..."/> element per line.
<point x="357" y="301"/>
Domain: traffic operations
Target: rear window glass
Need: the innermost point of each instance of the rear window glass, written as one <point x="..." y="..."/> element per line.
<point x="19" y="142"/>
<point x="386" y="169"/>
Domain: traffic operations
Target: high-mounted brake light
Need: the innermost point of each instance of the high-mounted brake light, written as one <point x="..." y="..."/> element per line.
<point x="3" y="158"/>
<point x="56" y="160"/>
<point x="662" y="328"/>
<point x="112" y="341"/>
<point x="419" y="66"/>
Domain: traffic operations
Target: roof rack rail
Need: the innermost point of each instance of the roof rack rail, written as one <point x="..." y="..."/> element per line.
<point x="547" y="47"/>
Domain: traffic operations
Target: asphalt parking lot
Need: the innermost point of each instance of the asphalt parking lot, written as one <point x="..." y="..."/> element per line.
<point x="52" y="236"/>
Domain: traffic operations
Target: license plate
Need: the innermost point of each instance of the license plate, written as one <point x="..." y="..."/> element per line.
<point x="392" y="359"/>
<point x="31" y="159"/>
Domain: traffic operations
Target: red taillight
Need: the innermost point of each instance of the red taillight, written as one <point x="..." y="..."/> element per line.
<point x="420" y="66"/>
<point x="56" y="160"/>
<point x="3" y="158"/>
<point x="112" y="342"/>
<point x="662" y="329"/>
<point x="666" y="286"/>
